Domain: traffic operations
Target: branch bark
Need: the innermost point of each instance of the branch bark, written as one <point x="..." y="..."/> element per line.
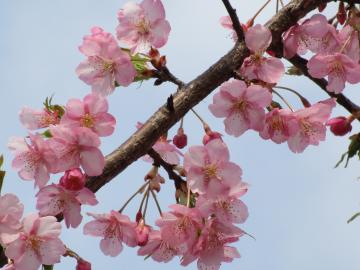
<point x="234" y="19"/>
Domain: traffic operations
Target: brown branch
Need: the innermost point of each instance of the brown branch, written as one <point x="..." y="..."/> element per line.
<point x="158" y="161"/>
<point x="234" y="19"/>
<point x="192" y="93"/>
<point x="164" y="75"/>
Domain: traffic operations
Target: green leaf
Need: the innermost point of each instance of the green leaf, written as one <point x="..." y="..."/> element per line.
<point x="47" y="133"/>
<point x="353" y="217"/>
<point x="48" y="267"/>
<point x="2" y="176"/>
<point x="1" y="160"/>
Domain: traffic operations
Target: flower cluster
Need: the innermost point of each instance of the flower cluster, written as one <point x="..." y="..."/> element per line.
<point x="336" y="52"/>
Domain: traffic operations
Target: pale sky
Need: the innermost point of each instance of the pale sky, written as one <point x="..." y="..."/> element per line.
<point x="298" y="203"/>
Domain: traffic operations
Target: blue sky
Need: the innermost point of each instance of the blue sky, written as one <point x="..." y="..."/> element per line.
<point x="298" y="204"/>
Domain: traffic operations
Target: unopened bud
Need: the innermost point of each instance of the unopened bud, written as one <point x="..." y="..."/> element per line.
<point x="142" y="233"/>
<point x="73" y="179"/>
<point x="211" y="135"/>
<point x="341" y="14"/>
<point x="180" y="139"/>
<point x="340" y="125"/>
<point x="322" y="6"/>
<point x="83" y="265"/>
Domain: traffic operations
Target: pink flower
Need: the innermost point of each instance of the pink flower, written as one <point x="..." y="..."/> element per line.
<point x="11" y="211"/>
<point x="37" y="244"/>
<point x="179" y="227"/>
<point x="280" y="124"/>
<point x="340" y="125"/>
<point x="211" y="248"/>
<point x="226" y="22"/>
<point x="35" y="119"/>
<point x="74" y="147"/>
<point x="158" y="249"/>
<point x="167" y="151"/>
<point x="256" y="66"/>
<point x="55" y="199"/>
<point x="209" y="170"/>
<point x="106" y="64"/>
<point x="115" y="228"/>
<point x="225" y="209"/>
<point x="32" y="160"/>
<point x="242" y="106"/>
<point x="311" y="125"/>
<point x="143" y="25"/>
<point x="83" y="265"/>
<point x="348" y="40"/>
<point x="73" y="179"/>
<point x="211" y="135"/>
<point x="314" y="34"/>
<point x="90" y="113"/>
<point x="338" y="67"/>
<point x="142" y="233"/>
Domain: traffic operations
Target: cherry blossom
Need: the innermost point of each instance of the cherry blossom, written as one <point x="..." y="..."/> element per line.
<point x="114" y="228"/>
<point x="280" y="125"/>
<point x="256" y="66"/>
<point x="314" y="34"/>
<point x="211" y="248"/>
<point x="143" y="25"/>
<point x="158" y="249"/>
<point x="37" y="244"/>
<point x="338" y="67"/>
<point x="348" y="40"/>
<point x="74" y="147"/>
<point x="142" y="233"/>
<point x="90" y="113"/>
<point x="11" y="211"/>
<point x="242" y="106"/>
<point x="209" y="170"/>
<point x="35" y="119"/>
<point x="179" y="226"/>
<point x="56" y="199"/>
<point x="106" y="64"/>
<point x="32" y="159"/>
<point x="312" y="129"/>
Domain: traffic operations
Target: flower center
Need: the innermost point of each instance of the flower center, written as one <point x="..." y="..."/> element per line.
<point x="143" y="26"/>
<point x="33" y="242"/>
<point x="240" y="105"/>
<point x="210" y="171"/>
<point x="88" y="121"/>
<point x="306" y="127"/>
<point x="277" y="124"/>
<point x="337" y="68"/>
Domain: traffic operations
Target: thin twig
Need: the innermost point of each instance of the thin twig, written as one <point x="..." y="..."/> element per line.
<point x="133" y="196"/>
<point x="234" y="19"/>
<point x="156" y="201"/>
<point x="283" y="99"/>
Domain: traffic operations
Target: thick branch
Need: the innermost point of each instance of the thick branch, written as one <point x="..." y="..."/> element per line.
<point x="191" y="94"/>
<point x="234" y="19"/>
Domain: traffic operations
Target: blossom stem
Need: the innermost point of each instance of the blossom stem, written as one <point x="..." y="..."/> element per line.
<point x="260" y="10"/>
<point x="182" y="122"/>
<point x="188" y="196"/>
<point x="199" y="117"/>
<point x="71" y="254"/>
<point x="346" y="43"/>
<point x="283" y="99"/>
<point x="304" y="101"/>
<point x="282" y="3"/>
<point x="277" y="6"/>
<point x="147" y="195"/>
<point x="133" y="196"/>
<point x="156" y="201"/>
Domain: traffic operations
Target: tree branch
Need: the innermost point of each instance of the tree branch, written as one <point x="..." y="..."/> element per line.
<point x="192" y="93"/>
<point x="234" y="19"/>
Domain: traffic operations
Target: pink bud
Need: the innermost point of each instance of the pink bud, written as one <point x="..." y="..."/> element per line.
<point x="138" y="216"/>
<point x="180" y="139"/>
<point x="211" y="135"/>
<point x="142" y="233"/>
<point x="83" y="265"/>
<point x="339" y="125"/>
<point x="73" y="179"/>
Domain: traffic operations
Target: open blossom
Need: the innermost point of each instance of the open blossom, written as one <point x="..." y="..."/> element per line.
<point x="11" y="211"/>
<point x="242" y="106"/>
<point x="209" y="170"/>
<point x="55" y="199"/>
<point x="143" y="25"/>
<point x="158" y="249"/>
<point x="37" y="244"/>
<point x="74" y="147"/>
<point x="114" y="228"/>
<point x="32" y="159"/>
<point x="211" y="248"/>
<point x="179" y="227"/>
<point x="90" y="113"/>
<point x="106" y="64"/>
<point x="226" y="209"/>
<point x="35" y="119"/>
<point x="338" y="67"/>
<point x="256" y="66"/>
<point x="314" y="34"/>
<point x="280" y="124"/>
<point x="311" y="123"/>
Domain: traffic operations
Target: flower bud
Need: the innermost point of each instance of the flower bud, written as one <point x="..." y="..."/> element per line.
<point x="180" y="139"/>
<point x="83" y="265"/>
<point x="73" y="179"/>
<point x="322" y="6"/>
<point x="341" y="14"/>
<point x="211" y="135"/>
<point x="142" y="233"/>
<point x="339" y="126"/>
<point x="139" y="216"/>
